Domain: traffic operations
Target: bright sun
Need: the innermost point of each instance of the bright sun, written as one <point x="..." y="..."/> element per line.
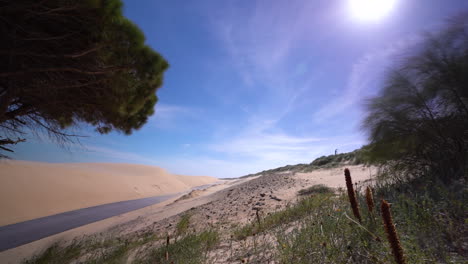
<point x="370" y="10"/>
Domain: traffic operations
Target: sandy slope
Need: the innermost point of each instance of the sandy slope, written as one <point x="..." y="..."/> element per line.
<point x="31" y="189"/>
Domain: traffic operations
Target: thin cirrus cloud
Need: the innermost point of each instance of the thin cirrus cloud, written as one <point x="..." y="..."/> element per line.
<point x="168" y="116"/>
<point x="259" y="45"/>
<point x="365" y="77"/>
<point x="113" y="154"/>
<point x="263" y="146"/>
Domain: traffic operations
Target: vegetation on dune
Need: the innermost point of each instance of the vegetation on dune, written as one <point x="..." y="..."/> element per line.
<point x="420" y="119"/>
<point x="69" y="62"/>
<point x="314" y="189"/>
<point x="288" y="215"/>
<point x="321" y="229"/>
<point x="350" y="158"/>
<point x="183" y="224"/>
<point x="191" y="249"/>
<point x="355" y="157"/>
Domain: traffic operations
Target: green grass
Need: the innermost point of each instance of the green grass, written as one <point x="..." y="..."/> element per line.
<point x="292" y="213"/>
<point x="431" y="228"/>
<point x="328" y="236"/>
<point x="191" y="249"/>
<point x="183" y="224"/>
<point x="57" y="255"/>
<point x="109" y="251"/>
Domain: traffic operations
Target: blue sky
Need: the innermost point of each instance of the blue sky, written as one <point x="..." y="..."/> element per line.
<point x="255" y="85"/>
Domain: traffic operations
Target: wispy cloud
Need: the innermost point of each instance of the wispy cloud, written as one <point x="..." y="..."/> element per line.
<point x="266" y="146"/>
<point x="260" y="45"/>
<point x="168" y="116"/>
<point x="262" y="143"/>
<point x="113" y="154"/>
<point x="282" y="148"/>
<point x="168" y="111"/>
<point x="366" y="77"/>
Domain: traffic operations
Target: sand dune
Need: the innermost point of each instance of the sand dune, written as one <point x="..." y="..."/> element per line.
<point x="30" y="190"/>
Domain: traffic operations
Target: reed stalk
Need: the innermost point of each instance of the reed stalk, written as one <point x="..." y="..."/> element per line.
<point x="392" y="234"/>
<point x="167" y="248"/>
<point x="352" y="195"/>
<point x="369" y="199"/>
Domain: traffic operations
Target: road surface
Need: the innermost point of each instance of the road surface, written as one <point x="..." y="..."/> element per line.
<point x="15" y="235"/>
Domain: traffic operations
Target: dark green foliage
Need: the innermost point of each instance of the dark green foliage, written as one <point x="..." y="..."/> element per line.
<point x="4" y="142"/>
<point x="352" y="158"/>
<point x="316" y="189"/>
<point x="323" y="160"/>
<point x="67" y="62"/>
<point x="420" y="119"/>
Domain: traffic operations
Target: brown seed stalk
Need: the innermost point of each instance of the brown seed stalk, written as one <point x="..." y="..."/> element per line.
<point x="369" y="199"/>
<point x="352" y="194"/>
<point x="392" y="235"/>
<point x="258" y="219"/>
<point x="167" y="248"/>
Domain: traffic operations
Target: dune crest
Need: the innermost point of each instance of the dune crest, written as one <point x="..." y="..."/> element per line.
<point x="30" y="190"/>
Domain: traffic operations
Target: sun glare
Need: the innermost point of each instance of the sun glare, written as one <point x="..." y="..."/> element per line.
<point x="370" y="10"/>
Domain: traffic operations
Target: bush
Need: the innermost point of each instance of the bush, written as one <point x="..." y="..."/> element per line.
<point x="420" y="119"/>
<point x="316" y="189"/>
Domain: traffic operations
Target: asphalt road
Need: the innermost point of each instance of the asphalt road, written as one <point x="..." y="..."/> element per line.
<point x="15" y="235"/>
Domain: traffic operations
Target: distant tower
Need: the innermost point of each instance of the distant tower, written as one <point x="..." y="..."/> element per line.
<point x="336" y="151"/>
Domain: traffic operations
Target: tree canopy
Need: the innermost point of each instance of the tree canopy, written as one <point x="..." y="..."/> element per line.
<point x="421" y="115"/>
<point x="65" y="62"/>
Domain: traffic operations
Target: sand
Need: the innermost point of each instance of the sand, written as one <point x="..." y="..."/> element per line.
<point x="30" y="190"/>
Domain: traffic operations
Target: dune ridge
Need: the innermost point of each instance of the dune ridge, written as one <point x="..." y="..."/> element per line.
<point x="30" y="190"/>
